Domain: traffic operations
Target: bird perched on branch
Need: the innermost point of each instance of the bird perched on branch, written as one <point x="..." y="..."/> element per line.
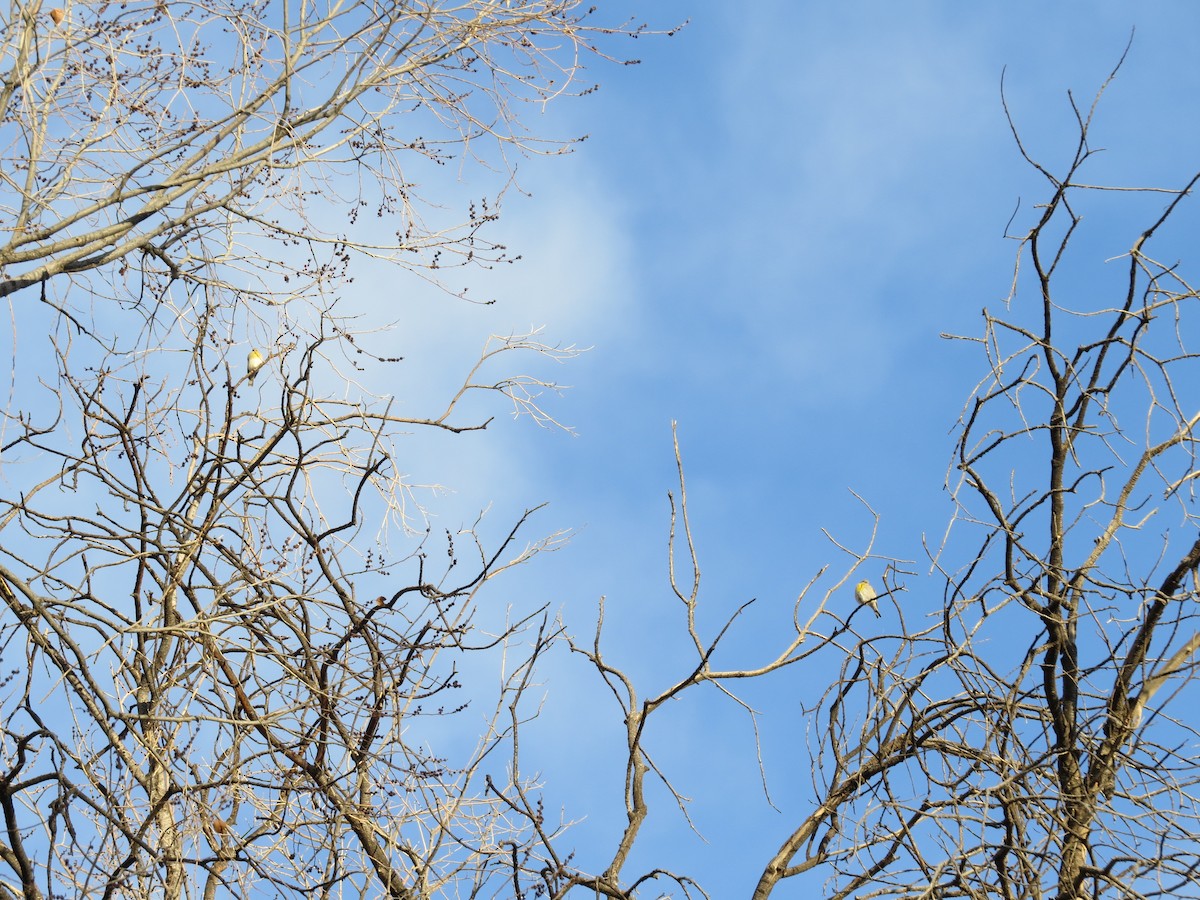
<point x="254" y="362"/>
<point x="865" y="594"/>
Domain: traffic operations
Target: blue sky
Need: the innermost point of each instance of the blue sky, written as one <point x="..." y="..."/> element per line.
<point x="773" y="219"/>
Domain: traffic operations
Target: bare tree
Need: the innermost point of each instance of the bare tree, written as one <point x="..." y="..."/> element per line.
<point x="232" y="678"/>
<point x="234" y="648"/>
<point x="1026" y="746"/>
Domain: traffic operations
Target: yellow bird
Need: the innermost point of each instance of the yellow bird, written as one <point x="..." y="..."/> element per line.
<point x="254" y="362"/>
<point x="865" y="594"/>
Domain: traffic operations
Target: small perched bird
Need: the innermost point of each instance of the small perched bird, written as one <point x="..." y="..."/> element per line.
<point x="865" y="594"/>
<point x="254" y="362"/>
